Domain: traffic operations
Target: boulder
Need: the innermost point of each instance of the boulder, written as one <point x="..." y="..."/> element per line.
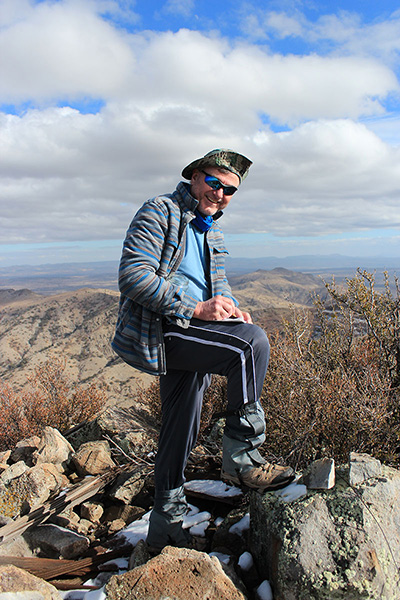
<point x="13" y="471"/>
<point x="93" y="458"/>
<point x="339" y="544"/>
<point x="18" y="584"/>
<point x="131" y="428"/>
<point x="24" y="450"/>
<point x="176" y="573"/>
<point x="128" y="486"/>
<point x="54" y="541"/>
<point x="30" y="490"/>
<point x="53" y="448"/>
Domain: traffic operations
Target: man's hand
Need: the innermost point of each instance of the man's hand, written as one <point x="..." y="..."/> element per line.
<point x="219" y="308"/>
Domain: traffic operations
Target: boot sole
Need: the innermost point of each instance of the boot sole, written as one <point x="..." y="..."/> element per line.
<point x="231" y="480"/>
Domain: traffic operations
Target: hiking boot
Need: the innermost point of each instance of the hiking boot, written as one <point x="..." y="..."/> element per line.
<point x="264" y="478"/>
<point x="192" y="542"/>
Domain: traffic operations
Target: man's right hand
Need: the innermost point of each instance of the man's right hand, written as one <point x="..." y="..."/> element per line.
<point x="216" y="308"/>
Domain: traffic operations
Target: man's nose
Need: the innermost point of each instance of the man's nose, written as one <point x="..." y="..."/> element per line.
<point x="219" y="193"/>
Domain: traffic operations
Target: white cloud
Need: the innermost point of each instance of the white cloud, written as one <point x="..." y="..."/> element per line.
<point x="183" y="8"/>
<point x="341" y="33"/>
<point x="61" y="49"/>
<point x="169" y="98"/>
<point x="65" y="50"/>
<point x="73" y="176"/>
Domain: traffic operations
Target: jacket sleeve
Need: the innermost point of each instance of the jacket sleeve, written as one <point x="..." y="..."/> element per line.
<point x="147" y="252"/>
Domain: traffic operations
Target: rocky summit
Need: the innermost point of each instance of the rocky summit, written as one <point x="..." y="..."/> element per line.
<point x="75" y="511"/>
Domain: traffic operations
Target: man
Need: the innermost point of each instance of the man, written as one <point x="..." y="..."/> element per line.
<point x="178" y="319"/>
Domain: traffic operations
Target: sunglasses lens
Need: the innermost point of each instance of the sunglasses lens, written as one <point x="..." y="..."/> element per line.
<point x="229" y="190"/>
<point x="215" y="184"/>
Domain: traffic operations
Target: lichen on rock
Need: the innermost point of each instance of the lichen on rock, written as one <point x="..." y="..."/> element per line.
<point x="331" y="545"/>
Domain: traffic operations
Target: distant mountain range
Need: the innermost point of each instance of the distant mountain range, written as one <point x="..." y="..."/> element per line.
<point x="78" y="325"/>
<point x="56" y="278"/>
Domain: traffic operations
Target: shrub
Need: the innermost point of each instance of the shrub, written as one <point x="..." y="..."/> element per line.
<point x="333" y="382"/>
<point x="52" y="399"/>
<point x="214" y="400"/>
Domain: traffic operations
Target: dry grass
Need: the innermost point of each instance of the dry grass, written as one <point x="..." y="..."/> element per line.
<point x="51" y="399"/>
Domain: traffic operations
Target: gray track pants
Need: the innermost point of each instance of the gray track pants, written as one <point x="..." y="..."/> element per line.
<point x="240" y="351"/>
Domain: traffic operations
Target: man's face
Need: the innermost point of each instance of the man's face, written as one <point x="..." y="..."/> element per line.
<point x="211" y="201"/>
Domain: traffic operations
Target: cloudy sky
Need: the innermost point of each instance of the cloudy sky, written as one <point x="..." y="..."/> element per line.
<point x="103" y="102"/>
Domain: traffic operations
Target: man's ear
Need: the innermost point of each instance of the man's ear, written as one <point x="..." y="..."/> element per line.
<point x="195" y="175"/>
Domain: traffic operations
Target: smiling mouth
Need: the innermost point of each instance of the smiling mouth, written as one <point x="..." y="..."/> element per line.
<point x="213" y="201"/>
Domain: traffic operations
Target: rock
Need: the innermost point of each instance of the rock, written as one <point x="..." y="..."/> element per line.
<point x="10" y="501"/>
<point x="336" y="544"/>
<point x="36" y="484"/>
<point x="130" y="427"/>
<point x="85" y="527"/>
<point x="320" y="475"/>
<point x="200" y="576"/>
<point x="225" y="537"/>
<point x="92" y="511"/>
<point x="53" y="448"/>
<point x="4" y="457"/>
<point x="140" y="555"/>
<point x="67" y="518"/>
<point x="128" y="486"/>
<point x="116" y="526"/>
<point x="30" y="490"/>
<point x="24" y="449"/>
<point x="56" y="542"/>
<point x="363" y="467"/>
<point x="13" y="471"/>
<point x="21" y="585"/>
<point x="93" y="458"/>
<point x="16" y="547"/>
<point x="125" y="512"/>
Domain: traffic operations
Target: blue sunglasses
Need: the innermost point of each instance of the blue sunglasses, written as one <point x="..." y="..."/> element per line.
<point x="215" y="184"/>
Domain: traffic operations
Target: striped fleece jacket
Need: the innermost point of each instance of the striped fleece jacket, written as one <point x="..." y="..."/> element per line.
<point x="153" y="249"/>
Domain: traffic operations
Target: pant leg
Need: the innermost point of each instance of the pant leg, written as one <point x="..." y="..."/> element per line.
<point x="239" y="351"/>
<point x="181" y="402"/>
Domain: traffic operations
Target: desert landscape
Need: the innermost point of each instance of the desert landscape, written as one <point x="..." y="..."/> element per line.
<point x="78" y="325"/>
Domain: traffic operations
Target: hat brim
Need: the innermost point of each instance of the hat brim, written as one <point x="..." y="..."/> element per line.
<point x="223" y="159"/>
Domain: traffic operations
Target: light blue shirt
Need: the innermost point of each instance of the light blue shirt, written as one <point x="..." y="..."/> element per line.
<point x="193" y="272"/>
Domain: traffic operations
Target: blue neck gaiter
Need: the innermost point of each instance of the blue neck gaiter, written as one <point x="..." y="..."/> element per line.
<point x="202" y="223"/>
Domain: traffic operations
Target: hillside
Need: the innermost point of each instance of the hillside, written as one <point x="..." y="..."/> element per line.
<point x="79" y="326"/>
<point x="75" y="325"/>
<point x="278" y="288"/>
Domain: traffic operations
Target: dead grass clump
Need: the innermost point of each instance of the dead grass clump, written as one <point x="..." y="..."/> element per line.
<point x="52" y="400"/>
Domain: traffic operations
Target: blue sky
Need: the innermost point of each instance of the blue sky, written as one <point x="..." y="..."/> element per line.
<point x="103" y="102"/>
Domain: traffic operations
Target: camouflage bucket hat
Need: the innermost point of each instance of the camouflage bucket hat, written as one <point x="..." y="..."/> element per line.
<point x="222" y="158"/>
